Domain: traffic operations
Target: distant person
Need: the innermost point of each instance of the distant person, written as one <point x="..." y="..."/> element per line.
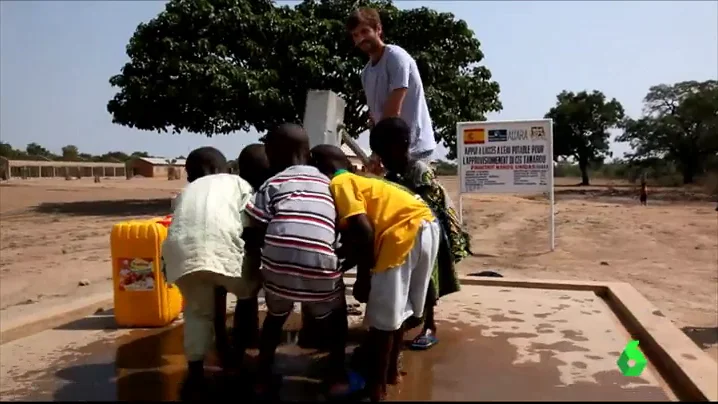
<point x="392" y="85"/>
<point x="294" y="214"/>
<point x="394" y="238"/>
<point x="390" y="140"/>
<point x="203" y="252"/>
<point x="643" y="194"/>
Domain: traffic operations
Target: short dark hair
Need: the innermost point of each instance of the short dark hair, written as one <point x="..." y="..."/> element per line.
<point x="253" y="165"/>
<point x="389" y="132"/>
<point x="205" y="161"/>
<point x="363" y="15"/>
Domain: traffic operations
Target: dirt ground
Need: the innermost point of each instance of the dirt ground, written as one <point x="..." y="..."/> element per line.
<point x="54" y="235"/>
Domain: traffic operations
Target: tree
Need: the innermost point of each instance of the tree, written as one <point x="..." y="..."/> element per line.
<point x="679" y="124"/>
<point x="580" y="127"/>
<point x="70" y="152"/>
<point x="34" y="149"/>
<point x="115" y="156"/>
<point x="7" y="151"/>
<point x="228" y="65"/>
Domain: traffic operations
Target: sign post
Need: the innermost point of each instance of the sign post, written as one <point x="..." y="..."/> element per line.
<point x="509" y="157"/>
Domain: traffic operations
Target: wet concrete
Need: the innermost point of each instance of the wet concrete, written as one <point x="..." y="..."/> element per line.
<point x="496" y="344"/>
<point x="466" y="366"/>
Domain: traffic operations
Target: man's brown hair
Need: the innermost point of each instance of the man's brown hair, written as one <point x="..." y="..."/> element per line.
<point x="364" y="15"/>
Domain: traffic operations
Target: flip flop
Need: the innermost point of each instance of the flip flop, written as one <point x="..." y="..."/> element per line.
<point x="423" y="342"/>
<point x="355" y="388"/>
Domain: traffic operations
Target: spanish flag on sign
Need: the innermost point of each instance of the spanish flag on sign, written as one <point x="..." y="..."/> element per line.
<point x="474" y="136"/>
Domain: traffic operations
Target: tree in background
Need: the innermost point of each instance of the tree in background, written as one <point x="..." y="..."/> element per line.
<point x="580" y="127"/>
<point x="680" y="124"/>
<point x="217" y="67"/>
<point x="70" y="152"/>
<point x="34" y="149"/>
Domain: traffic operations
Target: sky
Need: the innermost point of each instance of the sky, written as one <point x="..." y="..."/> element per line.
<point x="56" y="58"/>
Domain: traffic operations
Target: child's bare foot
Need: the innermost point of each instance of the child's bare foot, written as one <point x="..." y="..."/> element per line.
<point x="377" y="393"/>
<point x="194" y="388"/>
<point x="395" y="378"/>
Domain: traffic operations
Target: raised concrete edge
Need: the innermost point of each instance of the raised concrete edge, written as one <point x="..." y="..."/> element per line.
<point x="688" y="370"/>
<point x="55" y="317"/>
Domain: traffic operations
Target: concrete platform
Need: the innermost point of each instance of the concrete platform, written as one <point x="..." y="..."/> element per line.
<point x="500" y="340"/>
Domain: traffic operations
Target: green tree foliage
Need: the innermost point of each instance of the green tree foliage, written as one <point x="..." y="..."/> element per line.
<point x="7" y="151"/>
<point x="580" y="127"/>
<point x="680" y="124"/>
<point x="221" y="66"/>
<point x="34" y="149"/>
<point x="70" y="152"/>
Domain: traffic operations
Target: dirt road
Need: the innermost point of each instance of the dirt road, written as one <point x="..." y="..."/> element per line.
<point x="55" y="234"/>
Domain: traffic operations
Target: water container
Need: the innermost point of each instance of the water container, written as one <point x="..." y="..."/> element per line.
<point x="142" y="296"/>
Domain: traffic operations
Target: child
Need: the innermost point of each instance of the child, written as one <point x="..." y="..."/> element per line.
<point x="389" y="139"/>
<point x="203" y="251"/>
<point x="295" y="215"/>
<point x="395" y="238"/>
<point x="253" y="168"/>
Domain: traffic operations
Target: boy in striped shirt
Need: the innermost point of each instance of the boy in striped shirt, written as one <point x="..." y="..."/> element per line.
<point x="295" y="213"/>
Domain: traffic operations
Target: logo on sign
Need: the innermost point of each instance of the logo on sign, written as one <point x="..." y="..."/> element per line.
<point x="474" y="136"/>
<point x="518" y="134"/>
<point x="537" y="133"/>
<point x="498" y="135"/>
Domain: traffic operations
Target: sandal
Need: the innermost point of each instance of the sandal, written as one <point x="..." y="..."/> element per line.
<point x="424" y="342"/>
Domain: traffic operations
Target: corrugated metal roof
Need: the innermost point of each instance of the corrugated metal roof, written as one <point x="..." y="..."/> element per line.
<point x="161" y="161"/>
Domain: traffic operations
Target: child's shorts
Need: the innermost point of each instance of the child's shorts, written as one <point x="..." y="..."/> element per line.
<point x="400" y="292"/>
<point x="200" y="285"/>
<point x="281" y="306"/>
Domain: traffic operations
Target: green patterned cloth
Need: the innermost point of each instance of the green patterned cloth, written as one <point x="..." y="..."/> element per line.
<point x="419" y="178"/>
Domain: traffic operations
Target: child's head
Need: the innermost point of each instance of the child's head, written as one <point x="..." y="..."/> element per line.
<point x="389" y="139"/>
<point x="286" y="145"/>
<point x="329" y="159"/>
<point x="205" y="161"/>
<point x="254" y="165"/>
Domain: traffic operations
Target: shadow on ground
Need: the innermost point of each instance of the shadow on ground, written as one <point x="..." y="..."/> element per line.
<point x="704" y="337"/>
<point x="102" y="320"/>
<point x="120" y="207"/>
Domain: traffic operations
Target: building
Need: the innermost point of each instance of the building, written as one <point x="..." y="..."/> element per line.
<point x="154" y="167"/>
<point x="49" y="169"/>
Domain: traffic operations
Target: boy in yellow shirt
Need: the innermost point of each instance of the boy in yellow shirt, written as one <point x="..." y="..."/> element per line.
<point x="394" y="238"/>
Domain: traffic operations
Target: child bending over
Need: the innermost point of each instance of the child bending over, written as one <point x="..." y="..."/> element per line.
<point x="389" y="139"/>
<point x="203" y="251"/>
<point x="294" y="213"/>
<point x="396" y="239"/>
<point x="254" y="168"/>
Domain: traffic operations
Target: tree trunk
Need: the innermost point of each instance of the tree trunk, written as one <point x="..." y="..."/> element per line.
<point x="583" y="166"/>
<point x="688" y="175"/>
<point x="689" y="168"/>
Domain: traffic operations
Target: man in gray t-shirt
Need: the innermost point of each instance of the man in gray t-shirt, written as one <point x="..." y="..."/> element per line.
<point x="392" y="84"/>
